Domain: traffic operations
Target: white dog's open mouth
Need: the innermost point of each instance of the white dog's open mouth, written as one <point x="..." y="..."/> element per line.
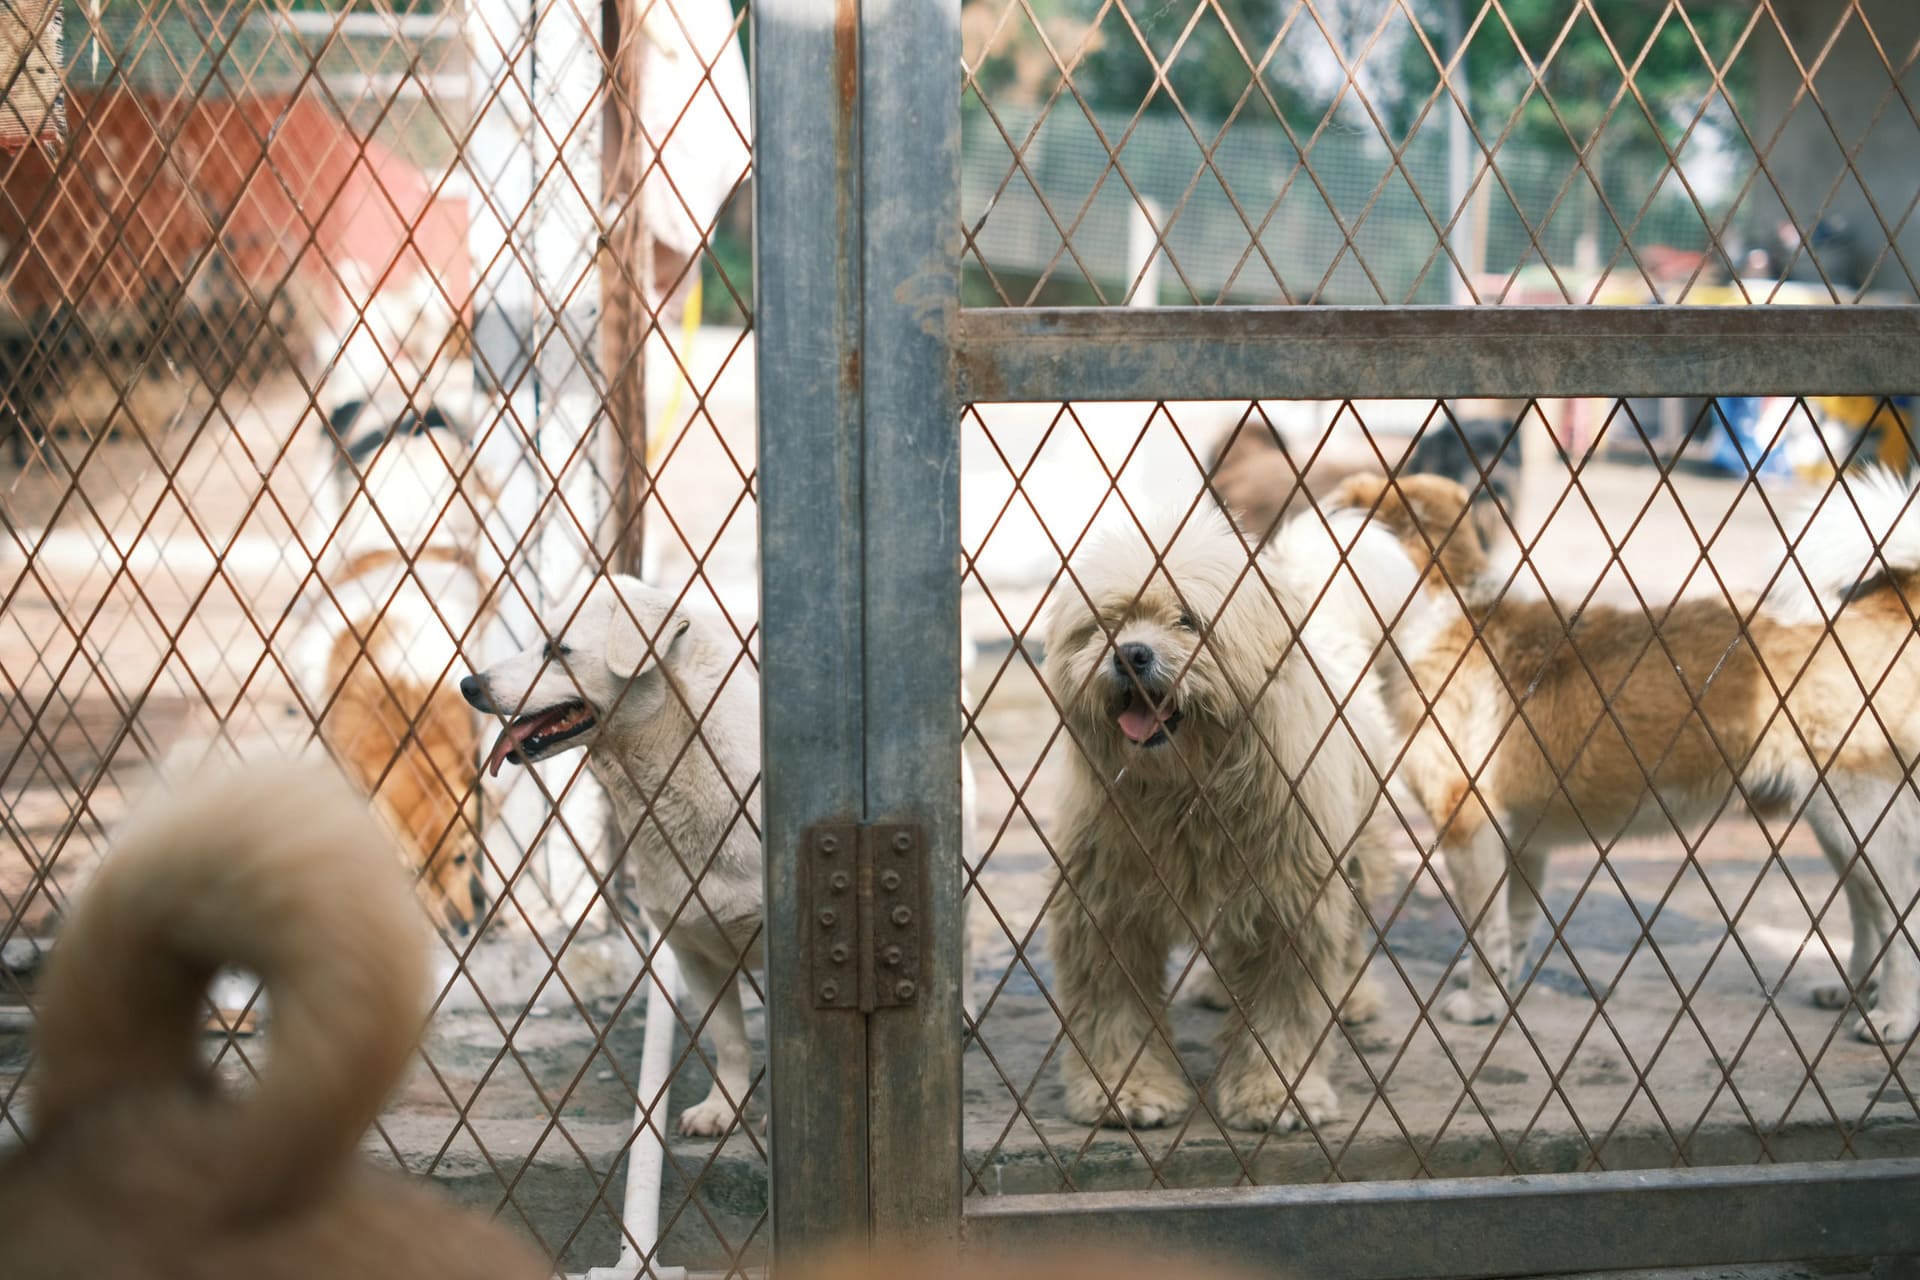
<point x="1146" y="723"/>
<point x="532" y="736"/>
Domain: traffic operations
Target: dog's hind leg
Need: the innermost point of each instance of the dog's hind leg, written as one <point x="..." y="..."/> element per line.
<point x="712" y="984"/>
<point x="1895" y="856"/>
<point x="1864" y="908"/>
<point x="1201" y="986"/>
<point x="1367" y="998"/>
<point x="1477" y="860"/>
<point x="1526" y="890"/>
<point x="1867" y="906"/>
<point x="1110" y="976"/>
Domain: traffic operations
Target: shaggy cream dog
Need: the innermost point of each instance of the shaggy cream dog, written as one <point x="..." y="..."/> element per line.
<point x="1219" y="786"/>
<point x="1642" y="724"/>
<point x="137" y="1166"/>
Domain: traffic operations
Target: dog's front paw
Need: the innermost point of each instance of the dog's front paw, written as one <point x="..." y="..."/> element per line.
<point x="1887" y="1026"/>
<point x="1364" y="1004"/>
<point x="1838" y="995"/>
<point x="1471" y="1007"/>
<point x="1259" y="1100"/>
<point x="1149" y="1097"/>
<point x="708" y="1119"/>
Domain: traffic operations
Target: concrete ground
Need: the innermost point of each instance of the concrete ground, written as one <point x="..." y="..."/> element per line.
<point x="1649" y="1034"/>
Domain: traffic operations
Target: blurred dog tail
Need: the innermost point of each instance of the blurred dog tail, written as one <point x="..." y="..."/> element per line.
<point x="1354" y="574"/>
<point x="1863" y="533"/>
<point x="278" y="870"/>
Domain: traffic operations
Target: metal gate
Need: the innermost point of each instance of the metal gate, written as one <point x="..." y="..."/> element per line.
<point x="871" y="370"/>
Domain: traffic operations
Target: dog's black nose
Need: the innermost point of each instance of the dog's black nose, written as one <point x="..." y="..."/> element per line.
<point x="470" y="690"/>
<point x="1135" y="657"/>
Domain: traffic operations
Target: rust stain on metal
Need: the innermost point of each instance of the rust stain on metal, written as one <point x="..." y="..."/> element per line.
<point x="980" y="376"/>
<point x="846" y="80"/>
<point x="846" y="55"/>
<point x="850" y="372"/>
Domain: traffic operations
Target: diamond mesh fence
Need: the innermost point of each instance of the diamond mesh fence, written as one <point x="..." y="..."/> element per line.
<point x="343" y="346"/>
<point x="1576" y="875"/>
<point x="1569" y="869"/>
<point x="1416" y="151"/>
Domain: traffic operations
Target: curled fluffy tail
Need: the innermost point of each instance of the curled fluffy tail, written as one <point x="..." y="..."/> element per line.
<point x="279" y="870"/>
<point x="1365" y="576"/>
<point x="1865" y="530"/>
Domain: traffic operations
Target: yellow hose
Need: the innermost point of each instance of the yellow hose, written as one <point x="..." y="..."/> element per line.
<point x="662" y="431"/>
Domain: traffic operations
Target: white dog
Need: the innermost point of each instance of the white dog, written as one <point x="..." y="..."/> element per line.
<point x="1218" y="790"/>
<point x="667" y="708"/>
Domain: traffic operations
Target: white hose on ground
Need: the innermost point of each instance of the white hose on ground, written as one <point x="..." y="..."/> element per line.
<point x="640" y="1210"/>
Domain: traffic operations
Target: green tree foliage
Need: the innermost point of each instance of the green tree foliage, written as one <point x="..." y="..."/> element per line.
<point x="1202" y="55"/>
<point x="1118" y="53"/>
<point x="1578" y="52"/>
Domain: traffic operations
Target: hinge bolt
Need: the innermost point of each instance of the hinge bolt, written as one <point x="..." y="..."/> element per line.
<point x="902" y="916"/>
<point x="828" y="844"/>
<point x="892" y="956"/>
<point x="903" y="989"/>
<point x="902" y="842"/>
<point x="826" y="919"/>
<point x="829" y="991"/>
<point x="890" y="881"/>
<point x="839" y="953"/>
<point x="840" y="881"/>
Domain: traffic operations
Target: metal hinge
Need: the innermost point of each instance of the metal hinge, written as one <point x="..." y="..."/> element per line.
<point x="863" y="913"/>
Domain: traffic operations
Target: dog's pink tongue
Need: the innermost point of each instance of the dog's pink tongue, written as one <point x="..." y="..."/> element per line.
<point x="1138" y="721"/>
<point x="503" y="746"/>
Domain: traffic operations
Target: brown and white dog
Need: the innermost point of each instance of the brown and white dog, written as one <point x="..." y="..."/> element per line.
<point x="1528" y="732"/>
<point x="138" y="1166"/>
<point x="397" y="595"/>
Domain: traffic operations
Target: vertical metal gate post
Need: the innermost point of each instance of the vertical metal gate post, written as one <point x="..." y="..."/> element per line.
<point x="806" y="228"/>
<point x="910" y="136"/>
<point x="857" y="271"/>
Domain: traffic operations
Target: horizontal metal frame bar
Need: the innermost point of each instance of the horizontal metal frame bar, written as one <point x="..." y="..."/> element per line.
<point x="1545" y="1224"/>
<point x="1384" y="353"/>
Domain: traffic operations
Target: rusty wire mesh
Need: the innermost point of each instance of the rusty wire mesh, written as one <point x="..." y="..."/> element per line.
<point x="1665" y="1012"/>
<point x="1468" y="151"/>
<point x="317" y="396"/>
<point x="195" y="526"/>
<point x="1391" y="153"/>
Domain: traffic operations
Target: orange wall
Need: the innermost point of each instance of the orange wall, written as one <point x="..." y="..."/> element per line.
<point x="144" y="185"/>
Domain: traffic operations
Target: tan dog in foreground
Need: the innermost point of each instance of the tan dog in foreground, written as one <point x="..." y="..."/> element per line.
<point x="138" y="1166"/>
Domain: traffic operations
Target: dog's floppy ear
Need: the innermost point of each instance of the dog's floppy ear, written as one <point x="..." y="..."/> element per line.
<point x="627" y="653"/>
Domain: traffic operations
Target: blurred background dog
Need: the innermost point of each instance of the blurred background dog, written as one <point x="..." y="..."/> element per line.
<point x="1261" y="485"/>
<point x="398" y="591"/>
